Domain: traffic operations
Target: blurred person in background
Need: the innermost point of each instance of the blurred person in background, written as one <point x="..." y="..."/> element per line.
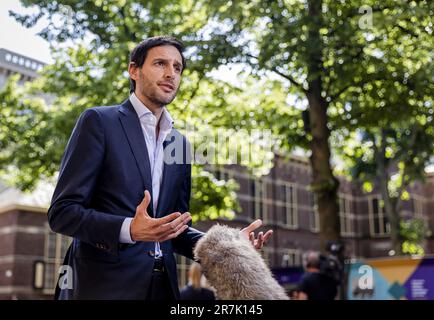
<point x="194" y="290"/>
<point x="315" y="285"/>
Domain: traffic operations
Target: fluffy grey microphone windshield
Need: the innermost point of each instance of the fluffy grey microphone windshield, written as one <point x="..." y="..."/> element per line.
<point x="234" y="267"/>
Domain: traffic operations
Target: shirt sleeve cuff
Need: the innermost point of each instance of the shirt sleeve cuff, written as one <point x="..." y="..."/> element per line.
<point x="125" y="236"/>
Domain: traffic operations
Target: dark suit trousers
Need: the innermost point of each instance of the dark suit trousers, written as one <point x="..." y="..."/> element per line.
<point x="160" y="288"/>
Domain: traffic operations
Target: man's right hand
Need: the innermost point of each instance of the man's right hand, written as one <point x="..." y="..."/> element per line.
<point x="145" y="228"/>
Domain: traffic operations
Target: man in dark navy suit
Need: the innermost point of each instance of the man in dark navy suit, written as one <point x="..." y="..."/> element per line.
<point x="124" y="189"/>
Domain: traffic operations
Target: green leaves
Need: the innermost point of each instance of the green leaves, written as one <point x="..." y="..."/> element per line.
<point x="413" y="232"/>
<point x="91" y="47"/>
<point x="28" y="142"/>
<point x="212" y="198"/>
<point x="368" y="78"/>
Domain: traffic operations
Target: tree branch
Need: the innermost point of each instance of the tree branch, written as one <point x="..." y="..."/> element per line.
<point x="405" y="30"/>
<point x="345" y="88"/>
<point x="196" y="89"/>
<point x="126" y="28"/>
<point x="291" y="79"/>
<point x="407" y="162"/>
<point x="287" y="77"/>
<point x="358" y="84"/>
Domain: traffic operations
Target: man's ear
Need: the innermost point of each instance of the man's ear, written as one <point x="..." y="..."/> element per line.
<point x="133" y="70"/>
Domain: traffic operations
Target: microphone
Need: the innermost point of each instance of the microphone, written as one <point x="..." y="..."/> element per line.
<point x="234" y="267"/>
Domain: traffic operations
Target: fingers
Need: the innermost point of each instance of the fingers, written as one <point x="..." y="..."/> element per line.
<point x="175" y="225"/>
<point x="252" y="237"/>
<point x="175" y="234"/>
<point x="146" y="199"/>
<point x="157" y="229"/>
<point x="143" y="206"/>
<point x="253" y="226"/>
<point x="267" y="235"/>
<point x="167" y="219"/>
<point x="260" y="241"/>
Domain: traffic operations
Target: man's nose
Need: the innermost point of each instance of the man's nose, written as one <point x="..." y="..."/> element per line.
<point x="169" y="72"/>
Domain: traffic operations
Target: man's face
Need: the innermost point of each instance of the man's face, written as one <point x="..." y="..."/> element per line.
<point x="157" y="81"/>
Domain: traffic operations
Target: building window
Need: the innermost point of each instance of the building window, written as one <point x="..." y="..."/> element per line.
<point x="346" y="216"/>
<point x="418" y="207"/>
<point x="182" y="266"/>
<point x="56" y="246"/>
<point x="287" y="204"/>
<point x="290" y="258"/>
<point x="378" y="222"/>
<point x="267" y="254"/>
<point x="313" y="213"/>
<point x="258" y="194"/>
<point x="221" y="173"/>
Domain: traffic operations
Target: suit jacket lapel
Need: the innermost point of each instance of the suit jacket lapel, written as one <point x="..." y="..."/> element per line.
<point x="132" y="129"/>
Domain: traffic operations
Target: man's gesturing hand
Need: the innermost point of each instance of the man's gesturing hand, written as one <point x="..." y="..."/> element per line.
<point x="145" y="228"/>
<point x="248" y="233"/>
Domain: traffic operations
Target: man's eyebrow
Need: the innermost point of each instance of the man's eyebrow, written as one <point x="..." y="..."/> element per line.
<point x="165" y="60"/>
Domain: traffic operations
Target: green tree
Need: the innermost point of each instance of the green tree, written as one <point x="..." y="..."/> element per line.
<point x="30" y="136"/>
<point x="92" y="71"/>
<point x="413" y="233"/>
<point x="91" y="41"/>
<point x="392" y="157"/>
<point x="325" y="51"/>
<point x="390" y="136"/>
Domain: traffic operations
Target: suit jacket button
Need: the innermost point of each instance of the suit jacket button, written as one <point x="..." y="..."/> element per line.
<point x="151" y="253"/>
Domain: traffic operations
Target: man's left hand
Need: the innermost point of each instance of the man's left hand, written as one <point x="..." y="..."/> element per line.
<point x="248" y="233"/>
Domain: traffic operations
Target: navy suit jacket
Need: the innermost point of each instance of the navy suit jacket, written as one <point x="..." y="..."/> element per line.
<point x="103" y="175"/>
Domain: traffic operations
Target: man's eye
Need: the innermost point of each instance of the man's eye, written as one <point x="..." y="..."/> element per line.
<point x="160" y="63"/>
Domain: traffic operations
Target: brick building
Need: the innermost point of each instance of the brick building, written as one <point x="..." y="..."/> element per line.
<point x="281" y="199"/>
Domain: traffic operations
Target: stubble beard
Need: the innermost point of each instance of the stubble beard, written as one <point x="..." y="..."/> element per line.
<point x="159" y="100"/>
<point x="148" y="90"/>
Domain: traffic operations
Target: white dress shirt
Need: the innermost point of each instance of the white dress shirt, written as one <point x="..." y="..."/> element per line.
<point x="154" y="145"/>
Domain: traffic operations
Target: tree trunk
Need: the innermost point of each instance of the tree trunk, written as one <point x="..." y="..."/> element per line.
<point x="392" y="214"/>
<point x="324" y="184"/>
<point x="391" y="207"/>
